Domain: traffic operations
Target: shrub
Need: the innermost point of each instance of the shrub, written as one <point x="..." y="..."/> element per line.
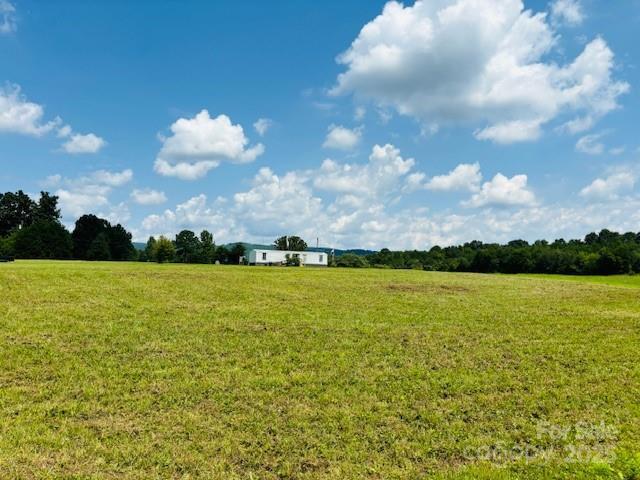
<point x="351" y="260"/>
<point x="291" y="261"/>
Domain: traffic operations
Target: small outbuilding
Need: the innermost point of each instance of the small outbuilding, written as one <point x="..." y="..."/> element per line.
<point x="279" y="257"/>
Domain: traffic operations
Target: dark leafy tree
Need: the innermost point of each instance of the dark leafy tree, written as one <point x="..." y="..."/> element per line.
<point x="292" y="243"/>
<point x="148" y="252"/>
<point x="222" y="254"/>
<point x="99" y="248"/>
<point x="7" y="245"/>
<point x="236" y="251"/>
<point x="187" y="247"/>
<point x="47" y="208"/>
<point x="87" y="228"/>
<point x="207" y="247"/>
<point x="17" y="210"/>
<point x="120" y="245"/>
<point x="43" y="239"/>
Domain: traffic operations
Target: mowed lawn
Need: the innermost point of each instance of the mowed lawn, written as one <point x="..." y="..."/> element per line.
<point x="144" y="371"/>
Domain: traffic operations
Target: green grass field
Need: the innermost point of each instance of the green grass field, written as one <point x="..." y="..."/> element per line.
<point x="172" y="371"/>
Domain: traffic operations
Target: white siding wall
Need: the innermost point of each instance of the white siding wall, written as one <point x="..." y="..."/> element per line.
<point x="279" y="256"/>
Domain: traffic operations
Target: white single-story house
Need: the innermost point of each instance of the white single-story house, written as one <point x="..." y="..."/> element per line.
<point x="279" y="257"/>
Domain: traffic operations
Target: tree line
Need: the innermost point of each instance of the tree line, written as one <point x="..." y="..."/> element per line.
<point x="33" y="230"/>
<point x="604" y="253"/>
<point x="191" y="248"/>
<point x="30" y="229"/>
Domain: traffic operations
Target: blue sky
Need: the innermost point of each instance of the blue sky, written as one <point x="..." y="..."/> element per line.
<point x="362" y="123"/>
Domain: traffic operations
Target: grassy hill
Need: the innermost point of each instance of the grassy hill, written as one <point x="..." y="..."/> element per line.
<point x="125" y="370"/>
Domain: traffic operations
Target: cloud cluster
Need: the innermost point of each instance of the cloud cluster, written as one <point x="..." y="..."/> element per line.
<point x="198" y="145"/>
<point x="194" y="214"/>
<point x="90" y="194"/>
<point x="377" y="226"/>
<point x="375" y="180"/>
<point x="481" y="63"/>
<point x="19" y="115"/>
<point x="610" y="187"/>
<point x="354" y="204"/>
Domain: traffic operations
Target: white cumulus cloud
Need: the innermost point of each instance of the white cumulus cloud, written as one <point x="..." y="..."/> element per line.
<point x="567" y="12"/>
<point x="90" y="193"/>
<point x="342" y="138"/>
<point x="148" y="196"/>
<point x="199" y="144"/>
<point x="194" y="214"/>
<point x="503" y="191"/>
<point x="278" y="203"/>
<point x="384" y="174"/>
<point x="112" y="179"/>
<point x="610" y="187"/>
<point x="78" y="144"/>
<point x="465" y="176"/>
<point x="21" y="116"/>
<point x="18" y="115"/>
<point x="412" y="59"/>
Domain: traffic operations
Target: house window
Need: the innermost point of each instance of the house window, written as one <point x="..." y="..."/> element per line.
<point x="264" y="255"/>
<point x="320" y="258"/>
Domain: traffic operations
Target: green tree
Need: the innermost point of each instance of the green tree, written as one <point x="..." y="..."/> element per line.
<point x="292" y="242"/>
<point x="120" y="244"/>
<point x="17" y="210"/>
<point x="43" y="239"/>
<point x="222" y="254"/>
<point x="235" y="252"/>
<point x="7" y="245"/>
<point x="187" y="246"/>
<point x="99" y="248"/>
<point x="164" y="250"/>
<point x="149" y="250"/>
<point x="87" y="228"/>
<point x="47" y="208"/>
<point x="207" y="247"/>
